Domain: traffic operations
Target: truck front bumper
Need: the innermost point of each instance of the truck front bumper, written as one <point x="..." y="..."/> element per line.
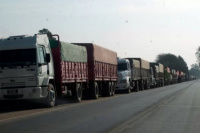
<point x="122" y="86"/>
<point x="23" y="93"/>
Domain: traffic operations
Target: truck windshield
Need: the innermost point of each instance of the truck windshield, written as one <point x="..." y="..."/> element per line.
<point x="22" y="57"/>
<point x="122" y="66"/>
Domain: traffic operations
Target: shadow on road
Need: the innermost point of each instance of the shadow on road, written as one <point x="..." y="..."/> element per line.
<point x="22" y="105"/>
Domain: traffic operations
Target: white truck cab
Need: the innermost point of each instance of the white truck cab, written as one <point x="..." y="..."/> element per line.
<point x="26" y="68"/>
<point x="124" y="74"/>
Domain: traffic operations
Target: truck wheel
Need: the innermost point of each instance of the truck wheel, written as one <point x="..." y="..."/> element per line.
<point x="94" y="91"/>
<point x="78" y="92"/>
<point x="51" y="98"/>
<point x="108" y="90"/>
<point x="146" y="85"/>
<point x="136" y="86"/>
<point x="141" y="85"/>
<point x="113" y="88"/>
<point x="128" y="90"/>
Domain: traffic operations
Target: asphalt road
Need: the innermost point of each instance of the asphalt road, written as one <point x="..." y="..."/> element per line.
<point x="169" y="109"/>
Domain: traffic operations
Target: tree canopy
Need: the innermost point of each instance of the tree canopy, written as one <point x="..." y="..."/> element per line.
<point x="195" y="70"/>
<point x="173" y="62"/>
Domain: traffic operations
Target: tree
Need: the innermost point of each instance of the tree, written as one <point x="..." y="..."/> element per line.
<point x="173" y="62"/>
<point x="195" y="70"/>
<point x="198" y="54"/>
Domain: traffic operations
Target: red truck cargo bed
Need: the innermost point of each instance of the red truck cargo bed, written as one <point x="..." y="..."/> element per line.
<point x="102" y="63"/>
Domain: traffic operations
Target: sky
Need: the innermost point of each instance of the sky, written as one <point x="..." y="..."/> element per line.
<point x="132" y="28"/>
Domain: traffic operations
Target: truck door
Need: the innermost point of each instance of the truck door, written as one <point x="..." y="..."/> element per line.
<point x="42" y="65"/>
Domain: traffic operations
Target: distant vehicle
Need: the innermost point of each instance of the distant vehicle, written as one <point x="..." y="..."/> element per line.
<point x="128" y="75"/>
<point x="158" y="73"/>
<point x="167" y="76"/>
<point x="134" y="74"/>
<point x="173" y="76"/>
<point x="41" y="67"/>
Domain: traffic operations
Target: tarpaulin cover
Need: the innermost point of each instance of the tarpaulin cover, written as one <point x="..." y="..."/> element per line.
<point x="70" y="52"/>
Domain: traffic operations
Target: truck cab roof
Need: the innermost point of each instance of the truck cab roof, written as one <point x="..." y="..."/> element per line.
<point x="23" y="42"/>
<point x="122" y="61"/>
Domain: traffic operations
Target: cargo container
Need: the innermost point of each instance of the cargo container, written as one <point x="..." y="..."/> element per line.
<point x="70" y="67"/>
<point x="102" y="70"/>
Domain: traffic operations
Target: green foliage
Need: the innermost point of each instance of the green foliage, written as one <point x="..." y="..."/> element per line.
<point x="173" y="62"/>
<point x="198" y="54"/>
<point x="195" y="70"/>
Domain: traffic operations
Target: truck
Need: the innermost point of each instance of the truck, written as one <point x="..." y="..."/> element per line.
<point x="166" y="75"/>
<point x="102" y="70"/>
<point x="128" y="73"/>
<point x="158" y="73"/>
<point x="143" y="76"/>
<point x="174" y="77"/>
<point x="42" y="67"/>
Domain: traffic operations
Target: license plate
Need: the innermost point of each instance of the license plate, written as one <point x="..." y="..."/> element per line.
<point x="12" y="92"/>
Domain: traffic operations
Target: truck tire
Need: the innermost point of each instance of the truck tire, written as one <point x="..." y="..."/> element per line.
<point x="141" y="85"/>
<point x="108" y="89"/>
<point x="136" y="86"/>
<point x="113" y="88"/>
<point x="77" y="94"/>
<point x="94" y="91"/>
<point x="51" y="98"/>
<point x="146" y="85"/>
<point x="128" y="90"/>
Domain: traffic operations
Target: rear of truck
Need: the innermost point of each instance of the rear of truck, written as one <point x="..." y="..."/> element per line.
<point x="71" y="72"/>
<point x="102" y="70"/>
<point x="26" y="68"/>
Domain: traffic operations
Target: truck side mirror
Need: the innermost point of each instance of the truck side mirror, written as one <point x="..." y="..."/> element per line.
<point x="48" y="59"/>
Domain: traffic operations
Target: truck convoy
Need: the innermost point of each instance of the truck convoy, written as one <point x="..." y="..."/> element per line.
<point x="41" y="67"/>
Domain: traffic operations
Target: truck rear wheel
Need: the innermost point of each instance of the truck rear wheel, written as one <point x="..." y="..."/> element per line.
<point x="113" y="88"/>
<point x="78" y="92"/>
<point x="128" y="90"/>
<point x="108" y="89"/>
<point x="51" y="98"/>
<point x="94" y="91"/>
<point x="141" y="85"/>
<point x="136" y="86"/>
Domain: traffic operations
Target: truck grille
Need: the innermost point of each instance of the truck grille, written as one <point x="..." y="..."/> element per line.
<point x="13" y="85"/>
